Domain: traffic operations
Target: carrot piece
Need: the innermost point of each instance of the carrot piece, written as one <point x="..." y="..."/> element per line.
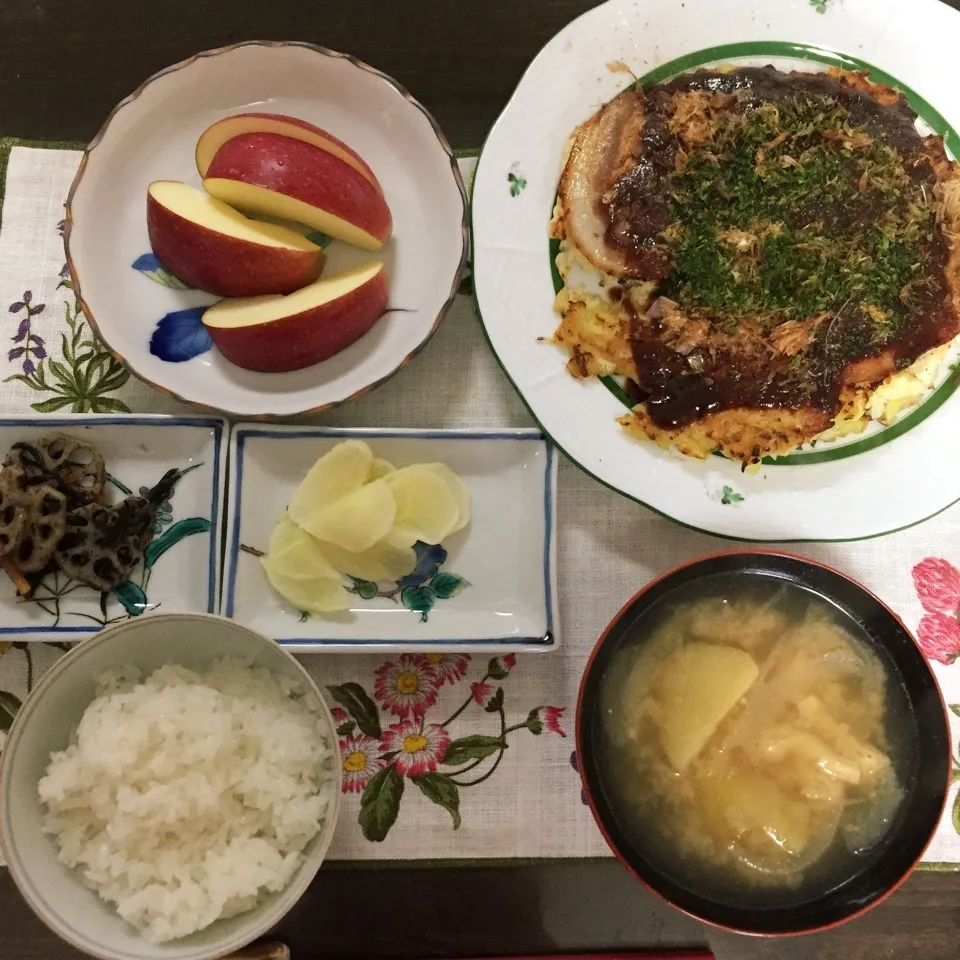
<point x="13" y="572"/>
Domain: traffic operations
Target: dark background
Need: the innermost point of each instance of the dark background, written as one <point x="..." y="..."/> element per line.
<point x="64" y="64"/>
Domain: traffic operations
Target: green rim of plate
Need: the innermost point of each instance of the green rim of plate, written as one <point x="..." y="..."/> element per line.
<point x="710" y="54"/>
<point x="932" y="117"/>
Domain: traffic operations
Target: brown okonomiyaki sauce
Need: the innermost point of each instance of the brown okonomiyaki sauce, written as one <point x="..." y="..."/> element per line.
<point x="790" y="223"/>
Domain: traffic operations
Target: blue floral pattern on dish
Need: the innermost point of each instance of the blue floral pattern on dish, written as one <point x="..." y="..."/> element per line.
<point x="151" y="267"/>
<point x="180" y="336"/>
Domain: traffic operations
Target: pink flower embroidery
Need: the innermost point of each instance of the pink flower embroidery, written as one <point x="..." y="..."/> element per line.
<point x="407" y="686"/>
<point x="340" y="716"/>
<point x="509" y="661"/>
<point x="449" y="667"/>
<point x="939" y="637"/>
<point x="937" y="582"/>
<point x="418" y="751"/>
<point x="361" y="760"/>
<point x="552" y="717"/>
<point x="938" y="585"/>
<point x="481" y="692"/>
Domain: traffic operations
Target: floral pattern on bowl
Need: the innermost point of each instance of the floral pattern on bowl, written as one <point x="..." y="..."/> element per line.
<point x="151" y="320"/>
<point x="490" y="587"/>
<point x="137" y="452"/>
<point x="417" y="591"/>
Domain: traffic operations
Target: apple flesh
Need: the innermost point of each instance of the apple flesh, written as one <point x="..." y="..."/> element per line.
<point x="217" y="134"/>
<point x="268" y="174"/>
<point x="279" y="334"/>
<point x="212" y="247"/>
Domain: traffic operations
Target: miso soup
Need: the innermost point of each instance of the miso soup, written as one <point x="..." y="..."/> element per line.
<point x="754" y="743"/>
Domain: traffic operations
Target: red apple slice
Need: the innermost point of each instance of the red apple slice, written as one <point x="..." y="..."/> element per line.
<point x="268" y="174"/>
<point x="278" y="334"/>
<point x="217" y="134"/>
<point x="212" y="247"/>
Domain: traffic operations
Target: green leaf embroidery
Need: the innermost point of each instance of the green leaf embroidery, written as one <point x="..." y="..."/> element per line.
<point x="172" y="536"/>
<point x="419" y="600"/>
<point x="354" y="699"/>
<point x="81" y="378"/>
<point x="956" y="813"/>
<point x="365" y="588"/>
<point x="131" y="597"/>
<point x="495" y="703"/>
<point x="820" y="5"/>
<point x="52" y="405"/>
<point x="534" y="723"/>
<point x="475" y="747"/>
<point x="320" y="239"/>
<point x="108" y="405"/>
<point x="9" y="705"/>
<point x="346" y="728"/>
<point x="439" y="788"/>
<point x="731" y="496"/>
<point x="955" y="707"/>
<point x="380" y="804"/>
<point x="447" y="585"/>
<point x="517" y="184"/>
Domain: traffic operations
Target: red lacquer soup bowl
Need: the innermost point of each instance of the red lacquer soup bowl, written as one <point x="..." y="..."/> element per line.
<point x="922" y="766"/>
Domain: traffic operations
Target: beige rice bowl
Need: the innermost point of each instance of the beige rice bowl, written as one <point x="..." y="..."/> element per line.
<point x="185" y="796"/>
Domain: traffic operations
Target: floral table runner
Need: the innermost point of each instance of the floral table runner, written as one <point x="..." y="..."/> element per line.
<point x="483" y="765"/>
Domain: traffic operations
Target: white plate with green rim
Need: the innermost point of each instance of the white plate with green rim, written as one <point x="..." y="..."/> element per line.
<point x="880" y="481"/>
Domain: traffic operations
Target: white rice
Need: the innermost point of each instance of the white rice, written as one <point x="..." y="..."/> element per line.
<point x="185" y="797"/>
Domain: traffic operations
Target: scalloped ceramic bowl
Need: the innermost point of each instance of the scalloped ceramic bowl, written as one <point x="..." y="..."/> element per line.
<point x="145" y="316"/>
<point x="55" y="893"/>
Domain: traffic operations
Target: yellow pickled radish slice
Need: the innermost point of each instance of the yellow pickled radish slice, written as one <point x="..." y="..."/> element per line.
<point x="459" y="490"/>
<point x="379" y="468"/>
<point x="400" y="538"/>
<point x="357" y="521"/>
<point x="286" y="534"/>
<point x="382" y="561"/>
<point x="341" y="470"/>
<point x="303" y="559"/>
<point x="426" y="509"/>
<point x="313" y="596"/>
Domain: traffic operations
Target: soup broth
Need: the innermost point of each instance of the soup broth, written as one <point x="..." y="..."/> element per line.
<point x="754" y="742"/>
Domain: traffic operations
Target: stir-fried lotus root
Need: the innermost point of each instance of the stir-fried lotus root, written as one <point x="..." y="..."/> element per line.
<point x="52" y="515"/>
<point x="103" y="544"/>
<point x="12" y="515"/>
<point x="71" y="466"/>
<point x="46" y="522"/>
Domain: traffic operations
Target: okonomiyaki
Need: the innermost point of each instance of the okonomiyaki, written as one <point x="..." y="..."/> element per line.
<point x="775" y="257"/>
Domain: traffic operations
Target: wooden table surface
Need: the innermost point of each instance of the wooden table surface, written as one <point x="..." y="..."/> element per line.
<point x="63" y="66"/>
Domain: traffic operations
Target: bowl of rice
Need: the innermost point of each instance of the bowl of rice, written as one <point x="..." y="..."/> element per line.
<point x="169" y="789"/>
